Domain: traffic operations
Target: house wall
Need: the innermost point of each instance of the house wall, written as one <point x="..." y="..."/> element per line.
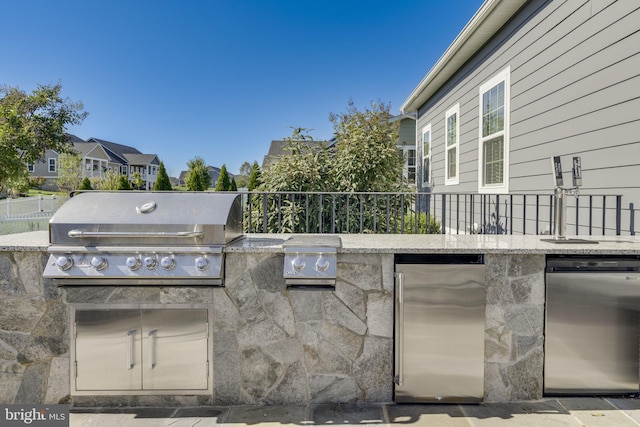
<point x="574" y="91"/>
<point x="406" y="140"/>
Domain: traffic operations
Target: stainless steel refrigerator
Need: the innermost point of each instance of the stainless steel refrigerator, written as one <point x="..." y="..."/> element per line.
<point x="439" y="328"/>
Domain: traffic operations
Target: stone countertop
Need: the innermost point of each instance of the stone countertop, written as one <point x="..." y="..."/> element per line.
<point x="30" y="241"/>
<point x="398" y="243"/>
<point x="477" y="243"/>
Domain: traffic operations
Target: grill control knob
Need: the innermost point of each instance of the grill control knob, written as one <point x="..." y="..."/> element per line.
<point x="168" y="263"/>
<point x="133" y="263"/>
<point x="99" y="263"/>
<point x="298" y="263"/>
<point x="322" y="263"/>
<point x="202" y="263"/>
<point x="150" y="263"/>
<point x="64" y="262"/>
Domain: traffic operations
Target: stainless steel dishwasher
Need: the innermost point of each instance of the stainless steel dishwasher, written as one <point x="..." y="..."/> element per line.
<point x="592" y="319"/>
<point x="439" y="328"/>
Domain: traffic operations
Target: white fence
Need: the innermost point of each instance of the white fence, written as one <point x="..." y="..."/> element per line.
<point x="27" y="213"/>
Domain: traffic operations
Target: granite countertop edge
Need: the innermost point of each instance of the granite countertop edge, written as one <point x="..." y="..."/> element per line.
<point x="395" y="243"/>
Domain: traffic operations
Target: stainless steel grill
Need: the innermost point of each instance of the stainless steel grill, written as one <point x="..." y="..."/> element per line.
<point x="143" y="238"/>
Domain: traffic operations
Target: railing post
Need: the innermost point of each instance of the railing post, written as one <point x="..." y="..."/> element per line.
<point x="444" y="214"/>
<point x="632" y="216"/>
<point x="618" y="215"/>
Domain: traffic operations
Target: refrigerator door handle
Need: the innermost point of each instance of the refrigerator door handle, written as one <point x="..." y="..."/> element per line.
<point x="398" y="378"/>
<point x="152" y="348"/>
<point x="130" y="346"/>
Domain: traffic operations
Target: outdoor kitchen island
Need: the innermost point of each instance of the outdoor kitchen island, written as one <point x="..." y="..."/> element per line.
<point x="274" y="345"/>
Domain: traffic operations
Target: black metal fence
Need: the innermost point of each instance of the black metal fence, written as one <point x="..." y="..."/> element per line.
<point x="427" y="213"/>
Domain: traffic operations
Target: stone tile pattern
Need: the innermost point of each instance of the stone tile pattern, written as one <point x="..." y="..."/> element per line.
<point x="34" y="337"/>
<point x="274" y="345"/>
<point x="514" y="327"/>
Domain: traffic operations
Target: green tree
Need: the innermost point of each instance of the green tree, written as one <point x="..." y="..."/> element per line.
<point x="365" y="157"/>
<point x="86" y="184"/>
<point x="37" y="182"/>
<point x="233" y="186"/>
<point x="305" y="166"/>
<point x="109" y="181"/>
<point x="69" y="171"/>
<point x="123" y="183"/>
<point x="242" y="179"/>
<point x="254" y="177"/>
<point x="198" y="178"/>
<point x="137" y="182"/>
<point x="163" y="183"/>
<point x="32" y="123"/>
<point x="224" y="183"/>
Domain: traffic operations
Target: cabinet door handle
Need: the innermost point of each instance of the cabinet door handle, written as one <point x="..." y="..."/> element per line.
<point x="399" y="378"/>
<point x="152" y="348"/>
<point x="130" y="356"/>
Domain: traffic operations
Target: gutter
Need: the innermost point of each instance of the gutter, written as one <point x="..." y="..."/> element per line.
<point x="486" y="22"/>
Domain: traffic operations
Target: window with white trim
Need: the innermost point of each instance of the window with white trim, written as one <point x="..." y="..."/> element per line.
<point x="31" y="167"/>
<point x="53" y="166"/>
<point x="452" y="151"/>
<point x="493" y="150"/>
<point x="426" y="155"/>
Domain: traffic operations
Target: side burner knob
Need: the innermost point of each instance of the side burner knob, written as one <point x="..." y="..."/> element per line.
<point x="133" y="263"/>
<point x="64" y="262"/>
<point x="99" y="263"/>
<point x="150" y="263"/>
<point x="298" y="263"/>
<point x="322" y="263"/>
<point x="168" y="263"/>
<point x="202" y="263"/>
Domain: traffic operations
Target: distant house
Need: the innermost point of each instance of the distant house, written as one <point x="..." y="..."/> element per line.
<point x="132" y="161"/>
<point x="98" y="157"/>
<point x="278" y="148"/>
<point x="527" y="80"/>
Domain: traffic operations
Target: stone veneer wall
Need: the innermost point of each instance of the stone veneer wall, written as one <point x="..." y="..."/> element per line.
<point x="273" y="345"/>
<point x="34" y="337"/>
<point x="514" y="327"/>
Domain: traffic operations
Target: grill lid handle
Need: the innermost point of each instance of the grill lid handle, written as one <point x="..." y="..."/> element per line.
<point x="160" y="234"/>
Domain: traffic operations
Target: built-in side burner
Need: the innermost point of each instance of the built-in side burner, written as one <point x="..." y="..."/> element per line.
<point x="311" y="261"/>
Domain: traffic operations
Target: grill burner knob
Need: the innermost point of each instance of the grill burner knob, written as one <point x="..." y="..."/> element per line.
<point x="99" y="263"/>
<point x="298" y="263"/>
<point x="167" y="263"/>
<point x="202" y="263"/>
<point x="64" y="263"/>
<point x="322" y="263"/>
<point x="133" y="263"/>
<point x="150" y="263"/>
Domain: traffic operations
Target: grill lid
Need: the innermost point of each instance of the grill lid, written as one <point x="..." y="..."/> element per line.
<point x="147" y="219"/>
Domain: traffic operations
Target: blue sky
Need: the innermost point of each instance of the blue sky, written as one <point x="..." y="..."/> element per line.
<point x="220" y="79"/>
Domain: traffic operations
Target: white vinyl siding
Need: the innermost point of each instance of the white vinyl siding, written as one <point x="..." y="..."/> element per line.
<point x="493" y="158"/>
<point x="452" y="144"/>
<point x="426" y="155"/>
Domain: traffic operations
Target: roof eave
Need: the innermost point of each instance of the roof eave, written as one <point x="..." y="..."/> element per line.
<point x="486" y="22"/>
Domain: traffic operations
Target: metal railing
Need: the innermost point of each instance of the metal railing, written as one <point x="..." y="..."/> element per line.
<point x="298" y="212"/>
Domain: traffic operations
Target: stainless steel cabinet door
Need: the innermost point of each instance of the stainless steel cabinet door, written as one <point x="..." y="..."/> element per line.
<point x="107" y="350"/>
<point x="591" y="337"/>
<point x="175" y="349"/>
<point x="440" y="333"/>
